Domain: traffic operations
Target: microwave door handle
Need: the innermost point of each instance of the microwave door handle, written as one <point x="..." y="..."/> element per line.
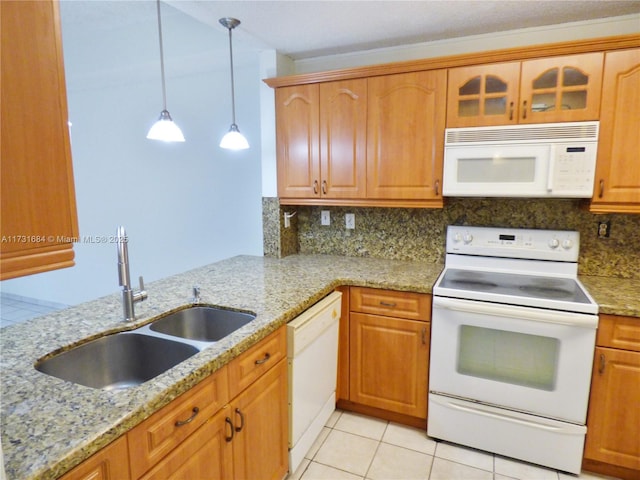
<point x="552" y="162"/>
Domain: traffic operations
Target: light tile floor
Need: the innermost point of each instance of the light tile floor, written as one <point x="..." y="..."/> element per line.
<point x="16" y="309"/>
<point x="353" y="447"/>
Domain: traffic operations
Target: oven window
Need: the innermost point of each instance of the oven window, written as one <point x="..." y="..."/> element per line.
<point x="511" y="357"/>
<point x="497" y="170"/>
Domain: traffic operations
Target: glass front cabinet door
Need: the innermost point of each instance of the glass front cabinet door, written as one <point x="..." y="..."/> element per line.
<point x="554" y="89"/>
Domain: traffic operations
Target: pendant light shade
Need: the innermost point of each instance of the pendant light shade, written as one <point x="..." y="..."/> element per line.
<point x="164" y="129"/>
<point x="233" y="140"/>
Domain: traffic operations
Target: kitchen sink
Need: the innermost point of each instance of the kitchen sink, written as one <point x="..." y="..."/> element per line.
<point x="207" y="324"/>
<point x="117" y="361"/>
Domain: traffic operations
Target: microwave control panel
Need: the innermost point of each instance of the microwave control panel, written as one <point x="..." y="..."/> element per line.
<point x="572" y="169"/>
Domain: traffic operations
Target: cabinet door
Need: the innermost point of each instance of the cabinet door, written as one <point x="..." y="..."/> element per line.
<point x="165" y="430"/>
<point x="614" y="409"/>
<point x="561" y="89"/>
<point x="405" y="136"/>
<point x="110" y="463"/>
<point x="483" y="95"/>
<point x="343" y="130"/>
<point x="205" y="455"/>
<point x="617" y="180"/>
<point x="389" y="363"/>
<point x="39" y="220"/>
<point x="260" y="415"/>
<point x="298" y="153"/>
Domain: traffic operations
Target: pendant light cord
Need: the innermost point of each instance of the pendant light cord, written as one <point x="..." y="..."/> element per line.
<point x="164" y="90"/>
<point x="233" y="96"/>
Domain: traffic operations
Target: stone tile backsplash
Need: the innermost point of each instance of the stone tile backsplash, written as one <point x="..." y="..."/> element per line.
<point x="418" y="234"/>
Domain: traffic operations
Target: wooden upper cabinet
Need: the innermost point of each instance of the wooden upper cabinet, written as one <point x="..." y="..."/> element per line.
<point x="483" y="95"/>
<point x="561" y="89"/>
<point x="343" y="140"/>
<point x="321" y="132"/>
<point x="297" y="119"/>
<point x="39" y="219"/>
<point x="617" y="177"/>
<point x="552" y="89"/>
<point x="405" y="134"/>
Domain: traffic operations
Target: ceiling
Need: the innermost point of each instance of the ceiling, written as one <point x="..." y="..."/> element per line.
<point x="306" y="29"/>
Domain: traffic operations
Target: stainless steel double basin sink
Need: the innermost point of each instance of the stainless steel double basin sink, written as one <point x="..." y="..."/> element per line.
<point x="127" y="359"/>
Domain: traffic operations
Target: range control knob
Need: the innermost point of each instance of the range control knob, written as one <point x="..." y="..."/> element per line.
<point x="457" y="238"/>
<point x="467" y="238"/>
<point x="554" y="243"/>
<point x="567" y="243"/>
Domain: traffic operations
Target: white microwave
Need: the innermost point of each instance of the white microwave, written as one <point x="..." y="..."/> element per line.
<point x="539" y="160"/>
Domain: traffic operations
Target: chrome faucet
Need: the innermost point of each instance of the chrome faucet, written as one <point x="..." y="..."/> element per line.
<point x="129" y="296"/>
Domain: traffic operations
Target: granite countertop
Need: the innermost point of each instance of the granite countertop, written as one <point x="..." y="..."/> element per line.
<point x="49" y="425"/>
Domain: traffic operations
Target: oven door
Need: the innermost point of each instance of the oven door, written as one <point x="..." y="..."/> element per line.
<point x="526" y="359"/>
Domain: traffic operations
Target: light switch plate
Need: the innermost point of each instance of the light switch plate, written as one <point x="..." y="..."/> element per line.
<point x="350" y="221"/>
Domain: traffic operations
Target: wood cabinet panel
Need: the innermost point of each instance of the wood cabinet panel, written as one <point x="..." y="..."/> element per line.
<point x="162" y="432"/>
<point x="619" y="332"/>
<point x="39" y="219"/>
<point x="410" y="305"/>
<point x="110" y="463"/>
<point x="389" y="363"/>
<point x="261" y="417"/>
<point x="405" y="135"/>
<point x="483" y="95"/>
<point x="207" y="454"/>
<point x="343" y="130"/>
<point x="342" y="384"/>
<point x="250" y="365"/>
<point x="297" y="141"/>
<point x="561" y="89"/>
<point x="614" y="409"/>
<point x="617" y="177"/>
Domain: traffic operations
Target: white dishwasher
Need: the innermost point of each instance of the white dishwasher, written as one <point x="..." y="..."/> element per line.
<point x="312" y="355"/>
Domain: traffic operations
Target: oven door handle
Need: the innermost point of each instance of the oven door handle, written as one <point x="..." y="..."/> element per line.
<point x="583" y="320"/>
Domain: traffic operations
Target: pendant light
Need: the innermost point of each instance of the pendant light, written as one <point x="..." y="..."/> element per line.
<point x="233" y="140"/>
<point x="164" y="129"/>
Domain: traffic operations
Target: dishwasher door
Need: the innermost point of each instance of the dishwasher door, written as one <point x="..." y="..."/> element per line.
<point x="312" y="354"/>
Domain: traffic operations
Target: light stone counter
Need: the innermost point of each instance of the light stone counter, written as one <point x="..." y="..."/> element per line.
<point x="49" y="425"/>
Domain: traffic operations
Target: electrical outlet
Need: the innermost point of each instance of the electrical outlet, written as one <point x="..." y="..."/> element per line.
<point x="350" y="221"/>
<point x="325" y="217"/>
<point x="604" y="229"/>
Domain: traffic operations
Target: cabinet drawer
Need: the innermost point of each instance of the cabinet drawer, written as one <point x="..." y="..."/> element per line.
<point x="390" y="303"/>
<point x="246" y="368"/>
<point x="159" y="434"/>
<point x="619" y="332"/>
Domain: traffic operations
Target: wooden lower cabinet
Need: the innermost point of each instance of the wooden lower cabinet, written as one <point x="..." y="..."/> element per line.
<point x="613" y="441"/>
<point x="384" y="370"/>
<point x="207" y="454"/>
<point x="110" y="463"/>
<point x="389" y="358"/>
<point x="260" y="442"/>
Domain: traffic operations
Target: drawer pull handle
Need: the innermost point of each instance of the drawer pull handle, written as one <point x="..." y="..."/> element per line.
<point x="267" y="356"/>
<point x="524" y="109"/>
<point x="437" y="188"/>
<point x="603" y="363"/>
<point x="388" y="304"/>
<point x="424" y="335"/>
<point x="511" y="111"/>
<point x="324" y="187"/>
<point x="239" y="412"/>
<point x="601" y="189"/>
<point x="315" y="187"/>
<point x="230" y="423"/>
<point x="181" y="423"/>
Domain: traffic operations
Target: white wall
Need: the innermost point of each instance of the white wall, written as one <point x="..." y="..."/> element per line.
<point x="183" y="205"/>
